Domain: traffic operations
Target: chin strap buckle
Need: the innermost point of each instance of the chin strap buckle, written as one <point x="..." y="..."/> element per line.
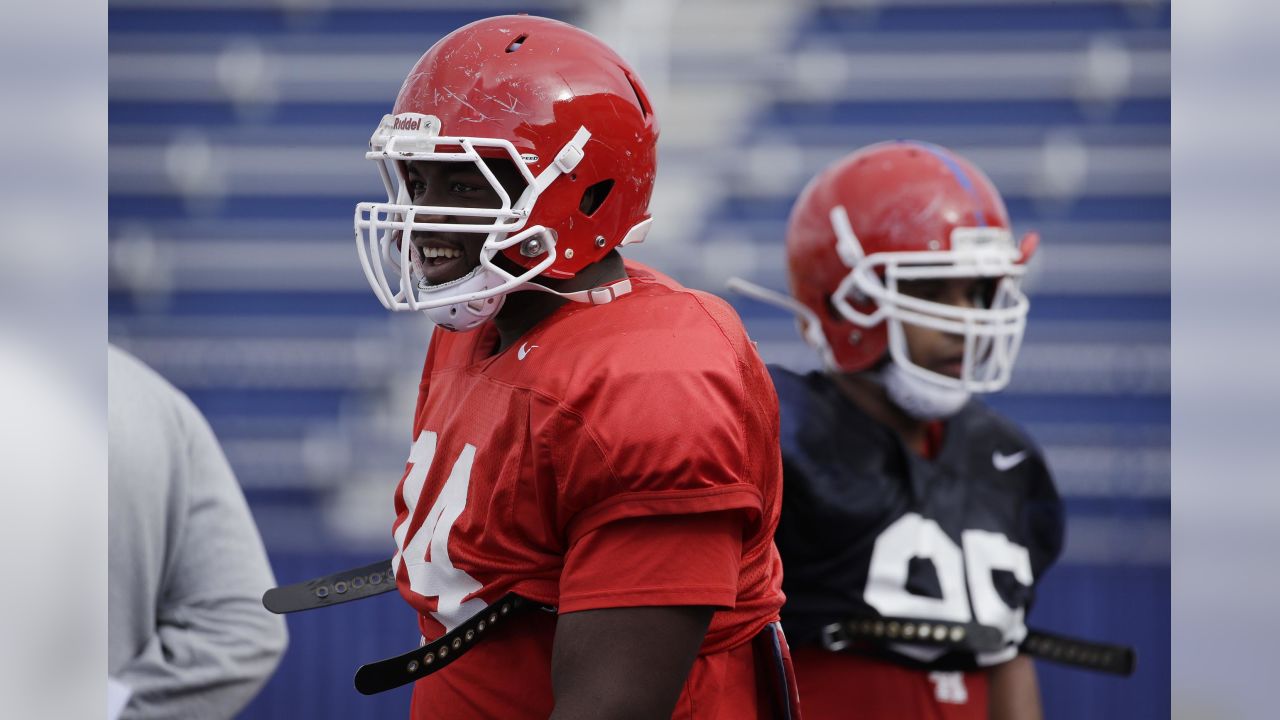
<point x="608" y="293"/>
<point x="565" y="161"/>
<point x="569" y="158"/>
<point x="599" y="295"/>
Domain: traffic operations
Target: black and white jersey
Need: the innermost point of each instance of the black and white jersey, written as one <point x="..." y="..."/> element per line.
<point x="869" y="527"/>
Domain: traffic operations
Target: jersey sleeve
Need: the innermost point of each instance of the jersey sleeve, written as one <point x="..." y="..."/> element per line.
<point x="190" y="636"/>
<point x="670" y="560"/>
<point x="684" y="429"/>
<point x="1042" y="518"/>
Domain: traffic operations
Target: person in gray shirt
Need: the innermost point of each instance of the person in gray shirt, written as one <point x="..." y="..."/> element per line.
<point x="187" y="634"/>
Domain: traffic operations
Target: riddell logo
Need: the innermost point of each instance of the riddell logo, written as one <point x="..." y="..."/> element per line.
<point x="408" y="124"/>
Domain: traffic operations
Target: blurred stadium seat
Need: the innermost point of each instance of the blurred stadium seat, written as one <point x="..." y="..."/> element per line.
<point x="236" y="136"/>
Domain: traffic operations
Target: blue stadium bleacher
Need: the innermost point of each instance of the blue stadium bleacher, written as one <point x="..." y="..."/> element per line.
<point x="913" y="17"/>
<point x="280" y="19"/>
<point x="236" y="139"/>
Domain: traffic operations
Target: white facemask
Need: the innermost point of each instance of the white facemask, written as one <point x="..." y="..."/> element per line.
<point x="388" y="264"/>
<point x="393" y="268"/>
<point x="992" y="335"/>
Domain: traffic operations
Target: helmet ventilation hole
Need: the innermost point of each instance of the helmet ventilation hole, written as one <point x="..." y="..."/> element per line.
<point x="593" y="197"/>
<point x="515" y="44"/>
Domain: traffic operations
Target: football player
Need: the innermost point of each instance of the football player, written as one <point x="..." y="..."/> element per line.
<point x="588" y="435"/>
<point x="911" y="510"/>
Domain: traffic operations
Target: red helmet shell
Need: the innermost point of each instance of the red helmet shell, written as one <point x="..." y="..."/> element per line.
<point x="901" y="196"/>
<point x="534" y="81"/>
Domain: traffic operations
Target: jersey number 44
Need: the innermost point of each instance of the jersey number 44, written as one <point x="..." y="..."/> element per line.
<point x="424" y="548"/>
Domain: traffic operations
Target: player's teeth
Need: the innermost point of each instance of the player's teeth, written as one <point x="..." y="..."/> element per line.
<point x="441" y="252"/>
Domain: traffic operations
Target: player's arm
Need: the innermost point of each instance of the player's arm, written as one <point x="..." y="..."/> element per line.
<point x="627" y="663"/>
<point x="655" y="525"/>
<point x="1014" y="692"/>
<point x="635" y="605"/>
<point x="215" y="645"/>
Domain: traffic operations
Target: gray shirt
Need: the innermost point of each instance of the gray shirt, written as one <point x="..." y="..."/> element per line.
<point x="187" y="632"/>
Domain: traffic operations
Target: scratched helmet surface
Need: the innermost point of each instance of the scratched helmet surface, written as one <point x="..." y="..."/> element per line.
<point x="554" y="100"/>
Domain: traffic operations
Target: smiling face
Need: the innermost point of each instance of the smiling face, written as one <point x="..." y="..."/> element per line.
<point x="935" y="350"/>
<point x="442" y="257"/>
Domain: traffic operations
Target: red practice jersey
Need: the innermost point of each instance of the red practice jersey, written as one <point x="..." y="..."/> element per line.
<point x="619" y="455"/>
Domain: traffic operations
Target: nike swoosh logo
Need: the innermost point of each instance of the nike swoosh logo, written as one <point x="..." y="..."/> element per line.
<point x="1007" y="462"/>
<point x="522" y="351"/>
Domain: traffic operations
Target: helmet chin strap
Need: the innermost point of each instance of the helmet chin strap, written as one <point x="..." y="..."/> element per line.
<point x="464" y="316"/>
<point x="916" y="396"/>
<point x="592" y="296"/>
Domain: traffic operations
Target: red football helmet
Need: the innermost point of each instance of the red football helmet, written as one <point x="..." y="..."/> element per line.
<point x="904" y="211"/>
<point x="565" y="109"/>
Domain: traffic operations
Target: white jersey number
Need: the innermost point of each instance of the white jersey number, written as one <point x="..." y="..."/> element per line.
<point x="426" y="556"/>
<point x="984" y="552"/>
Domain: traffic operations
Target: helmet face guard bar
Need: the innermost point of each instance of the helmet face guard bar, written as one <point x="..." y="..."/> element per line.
<point x="379" y="224"/>
<point x="807" y="322"/>
<point x="381" y="229"/>
<point x="992" y="335"/>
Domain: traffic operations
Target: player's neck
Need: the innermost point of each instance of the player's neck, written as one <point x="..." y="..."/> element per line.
<point x="525" y="309"/>
<point x="870" y="397"/>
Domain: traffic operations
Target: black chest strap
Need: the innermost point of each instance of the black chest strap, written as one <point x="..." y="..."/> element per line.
<point x="972" y="638"/>
<point x="382" y="675"/>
